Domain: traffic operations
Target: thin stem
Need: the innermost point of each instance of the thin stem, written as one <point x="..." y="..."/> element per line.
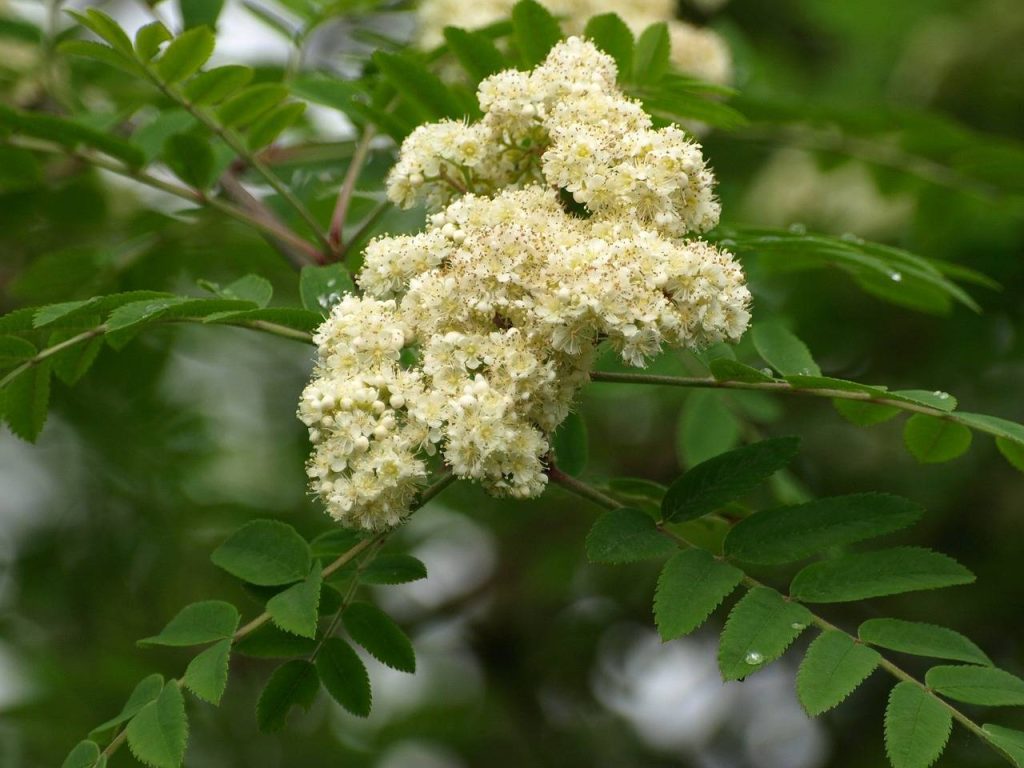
<point x="236" y="191"/>
<point x="582" y="489"/>
<point x="348" y="185"/>
<point x="50" y="351"/>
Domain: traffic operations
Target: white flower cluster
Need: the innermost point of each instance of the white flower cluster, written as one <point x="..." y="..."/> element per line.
<point x="473" y="336"/>
<point x="695" y="51"/>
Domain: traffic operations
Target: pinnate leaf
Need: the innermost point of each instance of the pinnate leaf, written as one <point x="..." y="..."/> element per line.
<point x="197" y="624"/>
<point x="294" y="683"/>
<point x="264" y="552"/>
<point x="380" y="635"/>
<point x="1008" y="740"/>
<point x="977" y="685"/>
<point x="84" y="755"/>
<point x="322" y="287"/>
<point x="832" y="669"/>
<point x="626" y="535"/>
<point x="932" y="440"/>
<point x="651" y="55"/>
<point x="185" y="54"/>
<point x="917" y="727"/>
<point x="344" y="676"/>
<point x="215" y="85"/>
<point x="207" y="674"/>
<point x="295" y="609"/>
<point x="876" y="574"/>
<point x="158" y="733"/>
<point x="788" y="534"/>
<point x="921" y="640"/>
<point x="760" y="627"/>
<point x="27" y="399"/>
<point x="691" y="585"/>
<point x="609" y="33"/>
<point x="783" y="350"/>
<point x="865" y="414"/>
<point x="146" y="691"/>
<point x="477" y="54"/>
<point x="535" y="31"/>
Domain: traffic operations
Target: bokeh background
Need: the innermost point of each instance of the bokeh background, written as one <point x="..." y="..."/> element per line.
<point x="529" y="656"/>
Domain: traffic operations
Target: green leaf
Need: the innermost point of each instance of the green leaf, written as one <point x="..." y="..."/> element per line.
<point x="185" y="55"/>
<point x="104" y="27"/>
<point x="158" y="733"/>
<point x="420" y="88"/>
<point x="932" y="440"/>
<point x="149" y="38"/>
<point x="394" y="569"/>
<point x="876" y="574"/>
<point x="215" y="85"/>
<point x="569" y="442"/>
<point x="89" y="49"/>
<point x="942" y="401"/>
<point x="14" y="351"/>
<point x="264" y="552"/>
<point x="691" y="585"/>
<point x="610" y="33"/>
<point x="707" y="428"/>
<point x="1012" y="451"/>
<point x="650" y="58"/>
<point x="252" y="288"/>
<point x="19" y="170"/>
<point x="380" y="636"/>
<point x="626" y="535"/>
<point x="781" y="349"/>
<point x="680" y="106"/>
<point x="788" y="534"/>
<point x="993" y="425"/>
<point x="727" y="477"/>
<point x="294" y="683"/>
<point x="68" y="133"/>
<point x="207" y="674"/>
<point x="190" y="158"/>
<point x="85" y="755"/>
<point x="865" y="414"/>
<point x="917" y="727"/>
<point x="344" y="676"/>
<point x="196" y="13"/>
<point x="73" y="363"/>
<point x="476" y="52"/>
<point x="977" y="685"/>
<point x="832" y="669"/>
<point x="921" y="640"/>
<point x="336" y="542"/>
<point x="271" y="125"/>
<point x="27" y="400"/>
<point x="724" y="369"/>
<point x="323" y="287"/>
<point x="269" y="642"/>
<point x="760" y="627"/>
<point x="146" y="691"/>
<point x="1008" y="740"/>
<point x="247" y="105"/>
<point x="290" y="317"/>
<point x="534" y="30"/>
<point x="295" y="609"/>
<point x="198" y="624"/>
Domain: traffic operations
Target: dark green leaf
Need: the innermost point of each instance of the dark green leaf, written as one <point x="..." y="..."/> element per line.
<point x="85" y="755"/>
<point x="197" y="624"/>
<point x="191" y="159"/>
<point x="788" y="534"/>
<point x="295" y="609"/>
<point x="569" y="442"/>
<point x="185" y="55"/>
<point x="691" y="585"/>
<point x="1012" y="451"/>
<point x="68" y="134"/>
<point x="271" y="125"/>
<point x="760" y="627"/>
<point x="27" y="400"/>
<point x="932" y="440"/>
<point x="876" y="574"/>
<point x="71" y="364"/>
<point x="865" y="414"/>
<point x="921" y="640"/>
<point x="917" y="727"/>
<point x="380" y="635"/>
<point x="708" y="428"/>
<point x="420" y="88"/>
<point x="269" y="642"/>
<point x="215" y="85"/>
<point x="1008" y="740"/>
<point x="724" y="369"/>
<point x="782" y="350"/>
<point x="252" y="288"/>
<point x="832" y="669"/>
<point x="987" y="686"/>
<point x="207" y="674"/>
<point x="394" y="569"/>
<point x="344" y="676"/>
<point x="726" y="478"/>
<point x="534" y="30"/>
<point x="626" y="535"/>
<point x="335" y="542"/>
<point x="323" y="287"/>
<point x="610" y="33"/>
<point x="196" y="13"/>
<point x="264" y="552"/>
<point x="19" y="169"/>
<point x="294" y="683"/>
<point x="158" y="733"/>
<point x="477" y="54"/>
<point x="146" y="691"/>
<point x="650" y="58"/>
<point x="14" y="351"/>
<point x="289" y="317"/>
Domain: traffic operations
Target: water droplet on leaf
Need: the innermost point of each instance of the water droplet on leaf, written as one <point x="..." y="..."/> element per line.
<point x="753" y="658"/>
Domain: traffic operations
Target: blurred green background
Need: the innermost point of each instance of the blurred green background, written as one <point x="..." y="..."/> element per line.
<point x="528" y="655"/>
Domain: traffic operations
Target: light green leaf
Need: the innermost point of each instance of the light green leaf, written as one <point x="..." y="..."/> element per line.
<point x="760" y="627"/>
<point x="1012" y="451"/>
<point x="932" y="440"/>
<point x="707" y="428"/>
<point x="191" y="159"/>
<point x="146" y="691"/>
<point x="185" y="55"/>
<point x="295" y="609"/>
<point x="294" y="683"/>
<point x="197" y="624"/>
<point x="832" y="669"/>
<point x="252" y="288"/>
<point x="917" y="727"/>
<point x="626" y="535"/>
<point x="323" y="287"/>
<point x="534" y="30"/>
<point x="977" y="685"/>
<point x="252" y="102"/>
<point x="921" y="640"/>
<point x="269" y="642"/>
<point x="215" y="85"/>
<point x="569" y="442"/>
<point x="380" y="635"/>
<point x="207" y="674"/>
<point x="781" y="349"/>
<point x="651" y="55"/>
<point x="788" y="534"/>
<point x="89" y="49"/>
<point x="85" y="755"/>
<point x="876" y="574"/>
<point x="477" y="54"/>
<point x="942" y="401"/>
<point x="149" y="38"/>
<point x="865" y="414"/>
<point x="610" y="33"/>
<point x="27" y="400"/>
<point x="104" y="27"/>
<point x="1008" y="740"/>
<point x="344" y="676"/>
<point x="264" y="552"/>
<point x="725" y="478"/>
<point x="691" y="585"/>
<point x="158" y="733"/>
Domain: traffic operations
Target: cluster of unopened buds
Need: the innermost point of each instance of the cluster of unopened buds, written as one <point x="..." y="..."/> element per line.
<point x="560" y="221"/>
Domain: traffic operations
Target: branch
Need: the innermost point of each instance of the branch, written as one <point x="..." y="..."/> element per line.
<point x="348" y="185"/>
<point x="583" y="490"/>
